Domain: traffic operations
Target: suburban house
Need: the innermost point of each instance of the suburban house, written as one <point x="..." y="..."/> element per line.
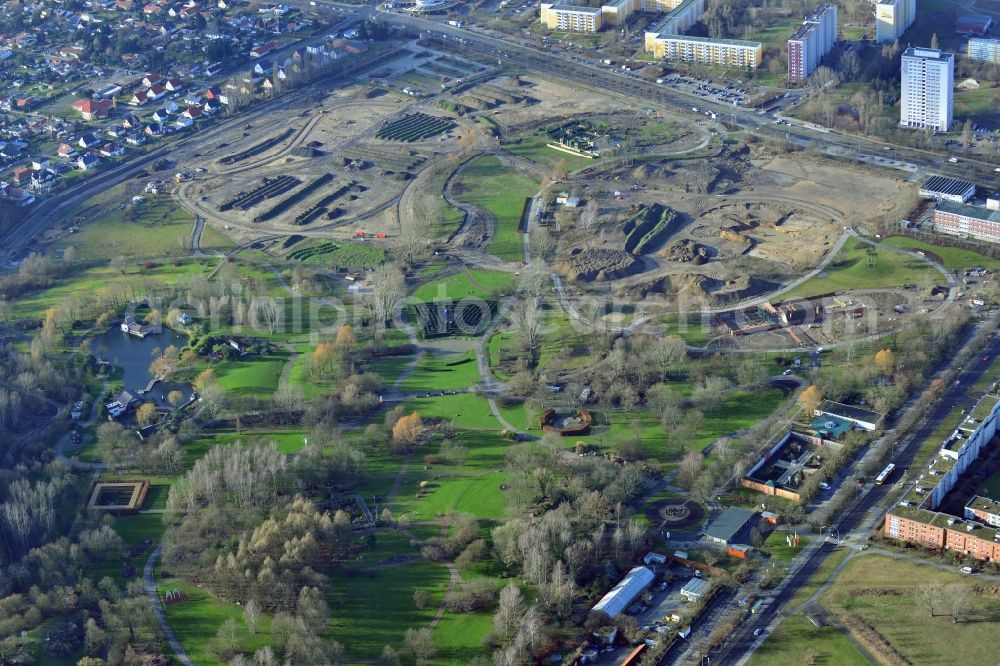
<point x="112" y="150"/>
<point x="39" y="163"/>
<point x="88" y="140"/>
<point x="21" y="175"/>
<point x="161" y="115"/>
<point x="131" y="122"/>
<point x="151" y="80"/>
<point x="91" y="109"/>
<point x="154" y="129"/>
<point x="139" y="98"/>
<point x="174" y="85"/>
<point x="65" y="150"/>
<point x="88" y="161"/>
<point x="135" y="139"/>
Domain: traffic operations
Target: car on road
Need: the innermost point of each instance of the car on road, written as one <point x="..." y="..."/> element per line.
<point x="953" y="160"/>
<point x="758" y="632"/>
<point x="787" y="372"/>
<point x="824" y="485"/>
<point x="967" y="570"/>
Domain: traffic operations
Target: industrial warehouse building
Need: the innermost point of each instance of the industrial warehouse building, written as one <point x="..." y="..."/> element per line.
<point x="947" y="189"/>
<point x="625" y="592"/>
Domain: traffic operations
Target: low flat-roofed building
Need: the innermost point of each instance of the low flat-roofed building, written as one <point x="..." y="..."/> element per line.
<point x="960" y="220"/>
<point x="696" y="589"/>
<point x="983" y="509"/>
<point x="865" y="419"/>
<point x="973" y="24"/>
<point x="947" y="189"/>
<point x="732" y="526"/>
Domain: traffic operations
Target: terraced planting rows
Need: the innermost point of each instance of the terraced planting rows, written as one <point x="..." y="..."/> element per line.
<point x="272" y="187"/>
<point x="289" y="201"/>
<point x="414" y="128"/>
<point x="322" y="206"/>
<point x="387" y="159"/>
<point x="338" y="255"/>
<point x="258" y="148"/>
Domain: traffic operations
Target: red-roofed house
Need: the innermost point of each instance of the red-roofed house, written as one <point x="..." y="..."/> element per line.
<point x="22" y="175"/>
<point x="138" y="99"/>
<point x="264" y="49"/>
<point x="91" y="109"/>
<point x="151" y="79"/>
<point x="151" y="9"/>
<point x="173" y="85"/>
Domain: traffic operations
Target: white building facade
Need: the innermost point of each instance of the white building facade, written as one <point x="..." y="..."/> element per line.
<point x="893" y="18"/>
<point x="928" y="77"/>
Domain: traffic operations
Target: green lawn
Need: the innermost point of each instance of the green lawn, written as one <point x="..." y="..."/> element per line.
<point x="850" y="270"/>
<point x="467" y="284"/>
<point x="500" y="190"/>
<point x="447" y="490"/>
<point x="252" y="374"/>
<point x="459" y="637"/>
<point x="375" y="609"/>
<point x="467" y="410"/>
<point x="533" y="147"/>
<point x="197" y="619"/>
<point x="991" y="486"/>
<point x="779" y="550"/>
<point x="156" y="228"/>
<point x="98" y="279"/>
<point x="438" y="371"/>
<point x="389" y="368"/>
<point x="799" y="641"/>
<point x="952" y="258"/>
<point x="979" y="106"/>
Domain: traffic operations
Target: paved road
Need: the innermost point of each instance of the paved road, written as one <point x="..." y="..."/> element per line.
<point x="872" y="498"/>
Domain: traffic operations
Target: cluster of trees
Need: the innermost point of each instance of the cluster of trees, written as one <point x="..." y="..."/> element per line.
<point x="52" y="581"/>
<point x="28" y="514"/>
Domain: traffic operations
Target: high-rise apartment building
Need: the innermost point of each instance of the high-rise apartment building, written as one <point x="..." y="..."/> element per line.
<point x="893" y="18"/>
<point x="984" y="49"/>
<point x="928" y="76"/>
<point x="813" y="40"/>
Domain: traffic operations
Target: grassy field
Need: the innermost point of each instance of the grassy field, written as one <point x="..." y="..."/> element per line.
<point x="850" y="270"/>
<point x="158" y="228"/>
<point x="991" y="486"/>
<point x="799" y="641"/>
<point x="897" y="614"/>
<point x="979" y="106"/>
<point x="443" y="372"/>
<point x="365" y="622"/>
<point x="779" y="550"/>
<point x="501" y="191"/>
<point x="479" y="495"/>
<point x="252" y="374"/>
<point x="477" y="283"/>
<point x="532" y="147"/>
<point x="97" y="279"/>
<point x="952" y="258"/>
<point x="197" y="619"/>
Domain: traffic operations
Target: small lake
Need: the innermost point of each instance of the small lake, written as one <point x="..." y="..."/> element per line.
<point x="134" y="355"/>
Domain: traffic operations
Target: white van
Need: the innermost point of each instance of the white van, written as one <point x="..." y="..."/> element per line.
<point x="967" y="570"/>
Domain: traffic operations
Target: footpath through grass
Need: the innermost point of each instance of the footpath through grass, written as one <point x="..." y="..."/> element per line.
<point x="952" y="258"/>
<point x="850" y="269"/>
<point x="500" y="190"/>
